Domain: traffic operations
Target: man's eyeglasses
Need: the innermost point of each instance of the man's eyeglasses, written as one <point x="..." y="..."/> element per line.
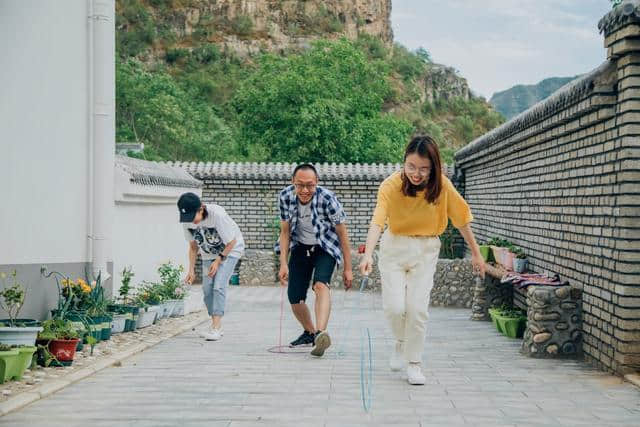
<point x="412" y="169"/>
<point x="309" y="187"/>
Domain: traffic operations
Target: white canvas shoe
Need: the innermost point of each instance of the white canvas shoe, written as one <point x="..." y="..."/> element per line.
<point x="415" y="375"/>
<point x="213" y="334"/>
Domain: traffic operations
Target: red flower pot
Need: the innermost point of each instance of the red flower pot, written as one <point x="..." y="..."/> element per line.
<point x="63" y="350"/>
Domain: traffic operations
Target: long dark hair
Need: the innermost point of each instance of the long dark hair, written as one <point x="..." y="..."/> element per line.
<point x="426" y="147"/>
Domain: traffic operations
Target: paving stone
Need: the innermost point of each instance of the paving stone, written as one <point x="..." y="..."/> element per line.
<point x="474" y="376"/>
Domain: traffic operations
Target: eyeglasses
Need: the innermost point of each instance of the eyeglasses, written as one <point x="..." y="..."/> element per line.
<point x="412" y="169"/>
<point x="309" y="187"/>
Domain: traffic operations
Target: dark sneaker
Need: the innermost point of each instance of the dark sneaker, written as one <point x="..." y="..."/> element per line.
<point x="306" y="339"/>
<point x="321" y="343"/>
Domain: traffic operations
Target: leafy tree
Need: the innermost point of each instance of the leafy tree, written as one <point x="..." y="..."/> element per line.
<point x="152" y="108"/>
<point x="323" y="104"/>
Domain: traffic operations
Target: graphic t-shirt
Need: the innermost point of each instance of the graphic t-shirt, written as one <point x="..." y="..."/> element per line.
<point x="305" y="232"/>
<point x="213" y="233"/>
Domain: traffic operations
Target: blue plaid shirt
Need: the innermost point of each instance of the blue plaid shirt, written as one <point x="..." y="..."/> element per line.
<point x="326" y="213"/>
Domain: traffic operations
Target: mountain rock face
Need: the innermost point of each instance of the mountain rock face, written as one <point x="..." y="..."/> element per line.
<point x="512" y="102"/>
<point x="249" y="26"/>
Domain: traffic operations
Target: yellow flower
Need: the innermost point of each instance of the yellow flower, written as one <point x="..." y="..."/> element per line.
<point x="85" y="288"/>
<point x="81" y="282"/>
<point x="66" y="282"/>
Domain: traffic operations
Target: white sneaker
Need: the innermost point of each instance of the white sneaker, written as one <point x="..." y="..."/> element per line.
<point x="396" y="362"/>
<point x="213" y="334"/>
<point x="414" y="374"/>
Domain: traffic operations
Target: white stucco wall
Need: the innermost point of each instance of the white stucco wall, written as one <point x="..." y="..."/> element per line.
<point x="43" y="131"/>
<point x="145" y="236"/>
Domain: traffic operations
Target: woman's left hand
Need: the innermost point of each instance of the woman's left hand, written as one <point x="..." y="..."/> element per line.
<point x="478" y="264"/>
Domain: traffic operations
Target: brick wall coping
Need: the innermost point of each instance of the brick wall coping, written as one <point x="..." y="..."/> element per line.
<point x="624" y="14"/>
<point x="567" y="95"/>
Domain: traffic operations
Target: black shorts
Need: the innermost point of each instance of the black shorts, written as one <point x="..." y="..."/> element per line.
<point x="307" y="261"/>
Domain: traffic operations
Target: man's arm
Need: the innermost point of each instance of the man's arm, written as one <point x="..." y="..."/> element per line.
<point x="193" y="253"/>
<point x="285" y="237"/>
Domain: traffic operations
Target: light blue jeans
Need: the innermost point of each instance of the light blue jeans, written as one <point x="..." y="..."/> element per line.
<point x="215" y="289"/>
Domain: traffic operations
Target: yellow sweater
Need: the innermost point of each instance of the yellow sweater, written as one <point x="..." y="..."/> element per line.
<point x="414" y="216"/>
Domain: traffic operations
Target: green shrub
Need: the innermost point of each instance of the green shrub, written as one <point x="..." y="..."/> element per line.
<point x="242" y="25"/>
<point x="175" y="55"/>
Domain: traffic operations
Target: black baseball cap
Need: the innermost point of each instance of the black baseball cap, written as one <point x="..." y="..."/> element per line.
<point x="188" y="205"/>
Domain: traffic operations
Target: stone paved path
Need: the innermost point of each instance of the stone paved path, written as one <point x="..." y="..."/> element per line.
<point x="474" y="377"/>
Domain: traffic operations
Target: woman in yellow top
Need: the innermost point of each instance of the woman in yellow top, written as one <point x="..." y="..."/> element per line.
<point x="415" y="204"/>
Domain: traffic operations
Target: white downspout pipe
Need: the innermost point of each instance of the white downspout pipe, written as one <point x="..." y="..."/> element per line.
<point x="103" y="134"/>
<point x="90" y="132"/>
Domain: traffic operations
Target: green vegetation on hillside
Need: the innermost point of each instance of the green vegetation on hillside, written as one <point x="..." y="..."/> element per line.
<point x="337" y="101"/>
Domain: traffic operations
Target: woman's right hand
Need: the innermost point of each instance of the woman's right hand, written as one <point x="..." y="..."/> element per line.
<point x="191" y="277"/>
<point x="366" y="265"/>
<point x="283" y="274"/>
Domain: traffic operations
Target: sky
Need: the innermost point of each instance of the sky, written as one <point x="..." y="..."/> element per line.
<point x="497" y="44"/>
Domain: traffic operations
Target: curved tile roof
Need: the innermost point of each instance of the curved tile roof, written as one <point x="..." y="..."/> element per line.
<point x="327" y="171"/>
<point x="144" y="172"/>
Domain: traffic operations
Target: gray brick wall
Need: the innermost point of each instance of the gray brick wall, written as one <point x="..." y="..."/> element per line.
<point x="563" y="182"/>
<point x="253" y="205"/>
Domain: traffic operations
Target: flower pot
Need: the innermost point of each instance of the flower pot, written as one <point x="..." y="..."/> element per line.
<point x="493" y="313"/>
<point x="95" y="328"/>
<point x="503" y="257"/>
<point x="156" y="309"/>
<point x="63" y="350"/>
<point x="167" y="308"/>
<point x="173" y="304"/>
<point x="497" y="253"/>
<point x="485" y="251"/>
<point x="11" y="365"/>
<point x="118" y="322"/>
<point x="21" y="322"/>
<point x="145" y="318"/>
<point x="235" y="279"/>
<point x="520" y="265"/>
<point x="131" y="312"/>
<point x="508" y="258"/>
<point x="106" y="328"/>
<point x="178" y="308"/>
<point x="19" y="335"/>
<point x="512" y="327"/>
<point x="26" y="358"/>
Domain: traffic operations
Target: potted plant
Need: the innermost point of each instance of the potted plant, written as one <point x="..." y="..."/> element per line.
<point x="9" y="362"/>
<point x="15" y="331"/>
<point x="485" y="251"/>
<point x="169" y="282"/>
<point x="123" y="313"/>
<point x="501" y="251"/>
<point x="509" y="321"/>
<point x="57" y="342"/>
<point x="99" y="318"/>
<point x="73" y="302"/>
<point x="520" y="261"/>
<point x="148" y="300"/>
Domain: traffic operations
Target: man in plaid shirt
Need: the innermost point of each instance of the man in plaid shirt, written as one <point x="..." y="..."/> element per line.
<point x="313" y="229"/>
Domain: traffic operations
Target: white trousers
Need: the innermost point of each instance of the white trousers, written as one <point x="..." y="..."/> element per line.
<point x="407" y="266"/>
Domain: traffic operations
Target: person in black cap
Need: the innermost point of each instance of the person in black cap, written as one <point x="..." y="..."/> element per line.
<point x="209" y="229"/>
